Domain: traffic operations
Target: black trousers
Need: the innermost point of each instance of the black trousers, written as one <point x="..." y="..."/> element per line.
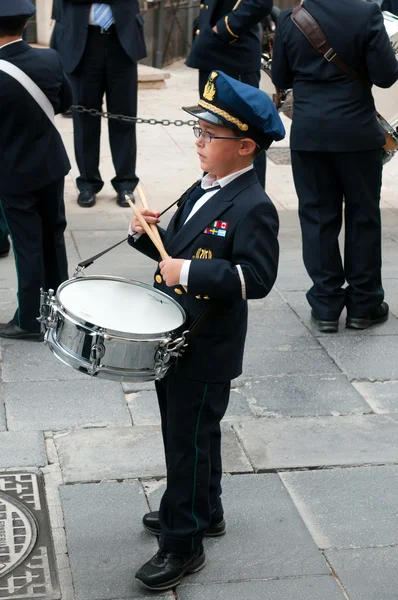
<point x="36" y="222"/>
<point x="253" y="79"/>
<point x="191" y="412"/>
<point x="105" y="69"/>
<point x="4" y="243"/>
<point x="325" y="181"/>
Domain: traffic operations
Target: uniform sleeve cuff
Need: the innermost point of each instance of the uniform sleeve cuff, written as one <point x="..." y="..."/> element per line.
<point x="225" y="31"/>
<point x="184" y="275"/>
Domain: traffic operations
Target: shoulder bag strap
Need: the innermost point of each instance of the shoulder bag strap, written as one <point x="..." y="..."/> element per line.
<point x="30" y="86"/>
<point x="314" y="34"/>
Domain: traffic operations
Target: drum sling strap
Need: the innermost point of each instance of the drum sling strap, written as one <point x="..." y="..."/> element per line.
<point x="316" y="37"/>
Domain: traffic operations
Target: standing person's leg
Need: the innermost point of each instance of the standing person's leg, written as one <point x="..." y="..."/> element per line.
<point x="24" y="224"/>
<point x="320" y="196"/>
<point x="52" y="213"/>
<point x="88" y="83"/>
<point x="121" y="94"/>
<point x="361" y="174"/>
<point x="194" y="410"/>
<point x="4" y="243"/>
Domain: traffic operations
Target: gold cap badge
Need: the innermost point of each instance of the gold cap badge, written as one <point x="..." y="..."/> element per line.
<point x="210" y="88"/>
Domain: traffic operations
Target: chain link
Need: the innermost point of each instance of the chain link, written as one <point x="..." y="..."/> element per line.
<point x="107" y="115"/>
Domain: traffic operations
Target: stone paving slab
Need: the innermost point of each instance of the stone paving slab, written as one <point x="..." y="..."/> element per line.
<point x="278" y="329"/>
<point x="54" y="405"/>
<point x="298" y="302"/>
<point x="265" y="538"/>
<point x="276" y="363"/>
<point x="367" y="573"/>
<point x="353" y="507"/>
<point x="32" y="361"/>
<point x="145" y="411"/>
<point x="105" y="539"/>
<point x="303" y="395"/>
<point x="128" y="453"/>
<point x="320" y="441"/>
<point x="303" y="588"/>
<point x="382" y="396"/>
<point x="365" y="357"/>
<point x="22" y="449"/>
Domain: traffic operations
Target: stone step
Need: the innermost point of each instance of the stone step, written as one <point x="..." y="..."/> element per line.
<point x="151" y="78"/>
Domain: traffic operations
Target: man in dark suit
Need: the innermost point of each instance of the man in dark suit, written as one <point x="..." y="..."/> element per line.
<point x="391" y="6"/>
<point x="227" y="38"/>
<point x="100" y="45"/>
<point x="223" y="240"/>
<point x="336" y="147"/>
<point x="32" y="167"/>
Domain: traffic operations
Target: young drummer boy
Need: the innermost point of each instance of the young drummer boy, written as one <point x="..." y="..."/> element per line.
<point x="224" y="248"/>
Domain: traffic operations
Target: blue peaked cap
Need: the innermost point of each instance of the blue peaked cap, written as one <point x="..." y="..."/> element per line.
<point x="227" y="102"/>
<point x="16" y="8"/>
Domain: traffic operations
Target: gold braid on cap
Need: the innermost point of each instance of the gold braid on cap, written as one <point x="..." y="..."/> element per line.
<point x="224" y="114"/>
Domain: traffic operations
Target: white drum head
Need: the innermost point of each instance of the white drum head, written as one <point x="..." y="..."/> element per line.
<point x="121" y="305"/>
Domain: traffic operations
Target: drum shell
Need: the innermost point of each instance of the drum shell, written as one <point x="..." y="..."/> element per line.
<point x="107" y="354"/>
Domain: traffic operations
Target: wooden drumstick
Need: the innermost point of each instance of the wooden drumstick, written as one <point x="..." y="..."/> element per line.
<point x="144" y="203"/>
<point x="159" y="245"/>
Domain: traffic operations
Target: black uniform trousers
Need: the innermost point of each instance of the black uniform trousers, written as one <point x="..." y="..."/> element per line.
<point x="105" y="69"/>
<point x="36" y="222"/>
<point x="4" y="243"/>
<point x="191" y="412"/>
<point x="324" y="182"/>
<point x="253" y="79"/>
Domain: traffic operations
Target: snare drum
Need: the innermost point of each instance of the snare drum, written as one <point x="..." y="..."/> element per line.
<point x="113" y="328"/>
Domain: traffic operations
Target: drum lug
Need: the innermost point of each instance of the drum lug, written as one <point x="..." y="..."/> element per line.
<point x="47" y="318"/>
<point x="79" y="272"/>
<point x="97" y="353"/>
<point x="176" y="347"/>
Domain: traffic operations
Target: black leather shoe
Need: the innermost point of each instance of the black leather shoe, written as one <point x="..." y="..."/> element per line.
<point x="13" y="332"/>
<point x="151" y="524"/>
<point x="325" y="325"/>
<point x="377" y="315"/>
<point x="86" y="199"/>
<point x="4" y="252"/>
<point x="165" y="570"/>
<point x="121" y="200"/>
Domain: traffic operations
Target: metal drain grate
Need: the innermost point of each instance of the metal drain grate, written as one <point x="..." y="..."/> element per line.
<point x="279" y="156"/>
<point x="27" y="561"/>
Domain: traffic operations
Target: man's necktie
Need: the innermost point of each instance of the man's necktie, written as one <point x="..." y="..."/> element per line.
<point x="103" y="16"/>
<point x="190" y="202"/>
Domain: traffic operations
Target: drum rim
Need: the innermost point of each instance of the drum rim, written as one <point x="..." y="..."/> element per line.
<point x="116" y="332"/>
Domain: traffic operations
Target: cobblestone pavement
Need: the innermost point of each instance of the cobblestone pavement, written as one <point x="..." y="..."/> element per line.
<point x="310" y="437"/>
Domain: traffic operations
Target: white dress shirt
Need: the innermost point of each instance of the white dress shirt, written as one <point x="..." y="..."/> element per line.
<point x="9" y="43"/>
<point x="207" y="183"/>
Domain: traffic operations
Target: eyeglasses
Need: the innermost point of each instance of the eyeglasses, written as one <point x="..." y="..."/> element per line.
<point x="207" y="137"/>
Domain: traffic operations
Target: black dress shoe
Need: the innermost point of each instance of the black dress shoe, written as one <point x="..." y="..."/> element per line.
<point x="325" y="325"/>
<point x="377" y="315"/>
<point x="165" y="570"/>
<point x="121" y="200"/>
<point x="5" y="248"/>
<point x="151" y="524"/>
<point x="13" y="332"/>
<point x="86" y="199"/>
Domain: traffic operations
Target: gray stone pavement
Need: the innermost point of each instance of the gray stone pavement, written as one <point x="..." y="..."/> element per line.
<point x="310" y="438"/>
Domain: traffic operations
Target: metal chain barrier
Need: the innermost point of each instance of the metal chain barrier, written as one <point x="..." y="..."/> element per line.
<point x="106" y="115"/>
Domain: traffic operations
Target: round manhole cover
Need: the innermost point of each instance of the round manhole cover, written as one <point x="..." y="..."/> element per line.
<point x="18" y="533"/>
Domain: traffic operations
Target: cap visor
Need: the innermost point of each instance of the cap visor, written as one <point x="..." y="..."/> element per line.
<point x="204" y="115"/>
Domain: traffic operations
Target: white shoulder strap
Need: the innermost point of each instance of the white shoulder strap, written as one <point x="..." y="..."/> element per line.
<point x="30" y="86"/>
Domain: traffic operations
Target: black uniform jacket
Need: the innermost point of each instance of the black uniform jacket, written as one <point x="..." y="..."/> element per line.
<point x="391" y="6"/>
<point x="224" y="272"/>
<point x="71" y="27"/>
<point x="31" y="149"/>
<point x="332" y="111"/>
<point x="236" y="48"/>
